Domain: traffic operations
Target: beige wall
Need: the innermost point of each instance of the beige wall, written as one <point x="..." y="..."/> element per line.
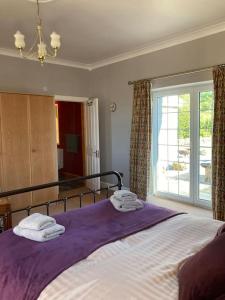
<point x="109" y="84"/>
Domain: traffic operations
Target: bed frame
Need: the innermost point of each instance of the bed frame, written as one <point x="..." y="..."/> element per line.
<point x="5" y="219"/>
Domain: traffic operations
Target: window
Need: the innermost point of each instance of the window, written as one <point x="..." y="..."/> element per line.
<point x="182" y="141"/>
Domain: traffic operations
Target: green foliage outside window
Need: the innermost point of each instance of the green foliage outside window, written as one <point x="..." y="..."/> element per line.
<point x="206" y="115"/>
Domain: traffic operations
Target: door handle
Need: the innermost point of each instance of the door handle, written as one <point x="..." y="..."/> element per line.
<point x="96" y="153"/>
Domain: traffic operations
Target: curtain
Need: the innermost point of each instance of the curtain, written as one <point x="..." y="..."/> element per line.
<point x="140" y="140"/>
<point x="218" y="146"/>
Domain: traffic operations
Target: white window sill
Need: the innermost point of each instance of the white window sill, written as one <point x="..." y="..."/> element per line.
<point x="178" y="206"/>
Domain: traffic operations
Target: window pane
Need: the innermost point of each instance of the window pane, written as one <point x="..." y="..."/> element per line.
<point x="205" y="192"/>
<point x="206" y="138"/>
<point x="172" y="120"/>
<point x="184" y="102"/>
<point x="184" y="179"/>
<point x="173" y="186"/>
<point x="173" y="103"/>
<point x="184" y="123"/>
<point x="172" y="137"/>
<point x="205" y="154"/>
<point x="206" y="100"/>
<point x="173" y="180"/>
<point x="184" y="154"/>
<point x="172" y="153"/>
<point x="162" y="153"/>
<point x="205" y="150"/>
<point x="174" y="144"/>
<point x="162" y="182"/>
<point x="184" y="139"/>
<point x="206" y="120"/>
<point x="164" y="101"/>
<point x="162" y="121"/>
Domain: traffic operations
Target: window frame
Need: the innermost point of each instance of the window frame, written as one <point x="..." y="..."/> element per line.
<point x="194" y="90"/>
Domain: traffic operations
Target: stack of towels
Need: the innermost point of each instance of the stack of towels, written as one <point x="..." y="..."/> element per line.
<point x="39" y="228"/>
<point x="124" y="201"/>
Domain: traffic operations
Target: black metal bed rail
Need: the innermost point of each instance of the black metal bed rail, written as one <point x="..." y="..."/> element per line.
<point x="62" y="182"/>
<point x="63" y="200"/>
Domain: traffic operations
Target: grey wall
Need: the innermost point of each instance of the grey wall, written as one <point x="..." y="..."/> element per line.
<point x="25" y="76"/>
<point x="109" y="84"/>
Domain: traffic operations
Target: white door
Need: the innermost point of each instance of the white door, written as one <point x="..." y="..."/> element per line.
<point x="92" y="142"/>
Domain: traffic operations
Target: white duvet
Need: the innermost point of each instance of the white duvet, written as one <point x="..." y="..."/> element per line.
<point x="141" y="266"/>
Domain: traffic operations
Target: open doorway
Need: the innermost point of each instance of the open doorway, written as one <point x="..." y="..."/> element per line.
<point x="77" y="124"/>
<point x="70" y="140"/>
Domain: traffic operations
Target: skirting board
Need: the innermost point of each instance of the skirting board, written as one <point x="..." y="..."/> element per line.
<point x="106" y="184"/>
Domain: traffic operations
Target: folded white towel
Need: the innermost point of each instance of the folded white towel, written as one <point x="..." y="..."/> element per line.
<point x="136" y="205"/>
<point x="125" y="194"/>
<point x="40" y="235"/>
<point x="126" y="199"/>
<point x="37" y="221"/>
<point x="126" y="206"/>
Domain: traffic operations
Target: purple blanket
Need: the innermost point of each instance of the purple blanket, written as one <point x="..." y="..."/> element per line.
<point x="27" y="267"/>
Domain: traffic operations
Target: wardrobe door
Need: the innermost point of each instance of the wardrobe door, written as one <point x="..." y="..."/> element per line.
<point x="44" y="167"/>
<point x="15" y="147"/>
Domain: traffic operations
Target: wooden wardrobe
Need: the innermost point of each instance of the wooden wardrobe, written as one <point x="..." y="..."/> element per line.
<point x="28" y="149"/>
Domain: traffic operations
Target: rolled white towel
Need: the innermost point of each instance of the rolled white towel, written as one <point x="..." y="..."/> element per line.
<point x="40" y="235"/>
<point x="125" y="207"/>
<point x="125" y="194"/>
<point x="37" y="221"/>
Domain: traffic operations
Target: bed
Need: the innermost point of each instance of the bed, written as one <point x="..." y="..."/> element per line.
<point x="143" y="265"/>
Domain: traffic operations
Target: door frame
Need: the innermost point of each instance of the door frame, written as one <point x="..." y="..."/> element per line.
<point x="81" y="100"/>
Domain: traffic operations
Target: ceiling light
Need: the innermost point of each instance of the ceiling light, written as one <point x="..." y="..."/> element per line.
<point x="39" y="48"/>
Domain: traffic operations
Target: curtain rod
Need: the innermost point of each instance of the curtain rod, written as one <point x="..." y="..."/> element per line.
<point x="177" y="74"/>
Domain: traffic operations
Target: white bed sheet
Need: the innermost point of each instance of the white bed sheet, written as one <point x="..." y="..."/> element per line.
<point x="141" y="266"/>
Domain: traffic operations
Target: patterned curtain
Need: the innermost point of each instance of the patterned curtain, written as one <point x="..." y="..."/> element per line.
<point x="140" y="140"/>
<point x="218" y="147"/>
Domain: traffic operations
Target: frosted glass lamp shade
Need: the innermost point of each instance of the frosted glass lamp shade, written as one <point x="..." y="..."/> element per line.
<point x="19" y="40"/>
<point x="42" y="51"/>
<point x="55" y="40"/>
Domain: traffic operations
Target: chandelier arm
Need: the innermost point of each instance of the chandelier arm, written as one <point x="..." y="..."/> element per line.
<point x="26" y="55"/>
<point x="30" y="51"/>
<point x="51" y="54"/>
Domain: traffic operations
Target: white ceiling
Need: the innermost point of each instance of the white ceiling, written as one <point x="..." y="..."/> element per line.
<point x="98" y="32"/>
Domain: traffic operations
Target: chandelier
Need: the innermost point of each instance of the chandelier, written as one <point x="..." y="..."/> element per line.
<point x="39" y="48"/>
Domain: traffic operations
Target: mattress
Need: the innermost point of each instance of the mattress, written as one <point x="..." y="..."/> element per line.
<point x="141" y="266"/>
